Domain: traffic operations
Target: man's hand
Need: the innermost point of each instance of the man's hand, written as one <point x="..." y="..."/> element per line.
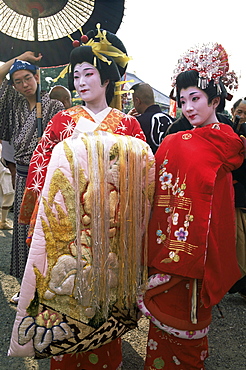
<point x="29" y="56"/>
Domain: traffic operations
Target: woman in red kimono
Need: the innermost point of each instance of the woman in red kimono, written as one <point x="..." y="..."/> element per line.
<point x="192" y="256"/>
<point x="94" y="68"/>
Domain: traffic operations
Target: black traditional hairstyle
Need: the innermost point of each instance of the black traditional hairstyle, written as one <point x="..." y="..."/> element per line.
<point x="84" y="53"/>
<point x="191" y="78"/>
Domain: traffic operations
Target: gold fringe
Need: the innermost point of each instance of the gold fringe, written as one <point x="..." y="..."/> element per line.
<point x="130" y="217"/>
<point x="116" y="101"/>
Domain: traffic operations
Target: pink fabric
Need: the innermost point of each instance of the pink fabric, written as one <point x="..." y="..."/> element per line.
<point x="38" y="251"/>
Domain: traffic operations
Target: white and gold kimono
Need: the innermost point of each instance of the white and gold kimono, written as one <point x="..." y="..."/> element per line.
<point x="86" y="262"/>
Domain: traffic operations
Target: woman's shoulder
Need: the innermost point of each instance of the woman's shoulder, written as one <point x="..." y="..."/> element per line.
<point x="61" y="116"/>
<point x="61" y="121"/>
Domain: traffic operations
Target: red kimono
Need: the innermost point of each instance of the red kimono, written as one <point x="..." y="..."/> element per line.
<point x="192" y="250"/>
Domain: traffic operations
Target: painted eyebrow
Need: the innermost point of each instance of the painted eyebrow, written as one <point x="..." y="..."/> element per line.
<point x="192" y="93"/>
<point x="86" y="69"/>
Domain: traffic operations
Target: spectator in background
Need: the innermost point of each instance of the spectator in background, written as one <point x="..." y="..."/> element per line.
<point x="239" y="109"/>
<point x="61" y="93"/>
<point x="18" y="124"/>
<point x="8" y="159"/>
<point x="153" y="121"/>
<point x="239" y="182"/>
<point x="6" y="196"/>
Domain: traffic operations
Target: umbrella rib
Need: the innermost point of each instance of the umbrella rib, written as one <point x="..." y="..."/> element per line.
<point x="59" y="23"/>
<point x="73" y="15"/>
<point x="82" y="8"/>
<point x="50" y="30"/>
<point x="23" y="26"/>
<point x="64" y="20"/>
<point x="69" y="20"/>
<point x="6" y="18"/>
<point x="42" y="31"/>
<point x="2" y="6"/>
<point x="52" y="23"/>
<point x="9" y="26"/>
<point x="12" y="25"/>
<point x="65" y="24"/>
<point x="78" y="9"/>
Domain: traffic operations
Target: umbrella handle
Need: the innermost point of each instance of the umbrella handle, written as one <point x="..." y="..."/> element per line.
<point x="35" y="15"/>
<point x="39" y="108"/>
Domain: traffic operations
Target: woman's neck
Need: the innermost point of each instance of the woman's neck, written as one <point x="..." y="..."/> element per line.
<point x="212" y="119"/>
<point x="96" y="107"/>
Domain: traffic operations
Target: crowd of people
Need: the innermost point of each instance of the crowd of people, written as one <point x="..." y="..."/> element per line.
<point x="120" y="215"/>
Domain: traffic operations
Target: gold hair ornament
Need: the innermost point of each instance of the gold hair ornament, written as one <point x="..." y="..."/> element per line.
<point x="103" y="46"/>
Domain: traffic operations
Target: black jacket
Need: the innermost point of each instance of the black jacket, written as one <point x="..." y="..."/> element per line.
<point x="154" y="124"/>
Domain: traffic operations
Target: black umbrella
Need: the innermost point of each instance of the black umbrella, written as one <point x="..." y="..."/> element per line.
<point x="43" y="26"/>
<point x="52" y="21"/>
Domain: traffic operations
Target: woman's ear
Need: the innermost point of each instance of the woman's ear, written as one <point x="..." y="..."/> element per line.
<point x="215" y="102"/>
<point x="106" y="82"/>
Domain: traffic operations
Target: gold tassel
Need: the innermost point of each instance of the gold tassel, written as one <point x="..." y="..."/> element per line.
<point x="131" y="217"/>
<point x="116" y="101"/>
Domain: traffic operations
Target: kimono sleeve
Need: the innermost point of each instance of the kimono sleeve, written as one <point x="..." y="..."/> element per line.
<point x="130" y="126"/>
<point x="59" y="127"/>
<point x="8" y="103"/>
<point x="234" y="152"/>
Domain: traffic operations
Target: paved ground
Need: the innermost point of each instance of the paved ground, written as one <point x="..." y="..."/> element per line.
<point x="227" y="335"/>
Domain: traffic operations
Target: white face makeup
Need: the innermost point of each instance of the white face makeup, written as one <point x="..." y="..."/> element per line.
<point x="195" y="107"/>
<point x="87" y="82"/>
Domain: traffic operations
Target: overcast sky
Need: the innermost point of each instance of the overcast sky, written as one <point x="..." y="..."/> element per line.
<point x="157" y="32"/>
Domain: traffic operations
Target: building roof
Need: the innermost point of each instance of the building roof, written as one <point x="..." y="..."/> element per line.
<point x="160" y="98"/>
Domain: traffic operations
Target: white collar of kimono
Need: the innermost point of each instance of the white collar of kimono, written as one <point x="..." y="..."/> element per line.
<point x="85" y="125"/>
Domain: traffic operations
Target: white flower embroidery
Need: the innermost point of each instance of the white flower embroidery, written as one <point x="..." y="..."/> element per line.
<point x="152" y="344"/>
<point x="181" y="234"/>
<point x="175" y="218"/>
<point x="176" y="361"/>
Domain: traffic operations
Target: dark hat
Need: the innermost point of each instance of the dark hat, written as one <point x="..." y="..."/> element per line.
<point x="19" y="65"/>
